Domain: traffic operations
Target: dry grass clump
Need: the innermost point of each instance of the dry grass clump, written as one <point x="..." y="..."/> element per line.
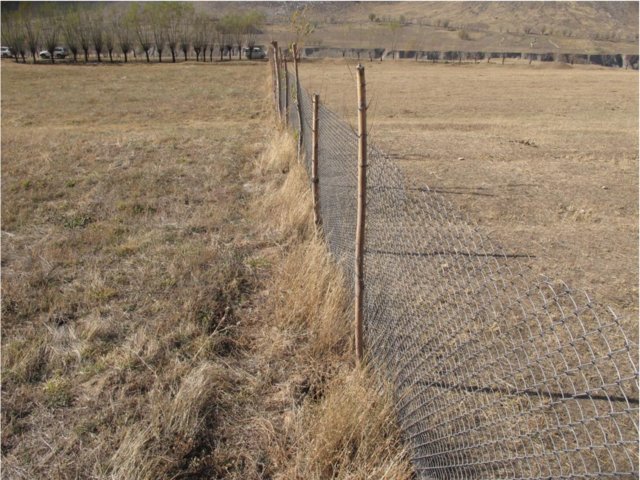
<point x="285" y="205"/>
<point x="178" y="428"/>
<point x="350" y="433"/>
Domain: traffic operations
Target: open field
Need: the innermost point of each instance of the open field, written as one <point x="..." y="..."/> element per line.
<point x="543" y="157"/>
<point x="156" y="322"/>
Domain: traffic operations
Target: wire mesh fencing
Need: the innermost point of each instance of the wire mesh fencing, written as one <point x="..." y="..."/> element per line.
<point x="497" y="372"/>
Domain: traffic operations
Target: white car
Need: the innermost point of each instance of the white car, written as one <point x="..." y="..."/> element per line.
<point x="58" y="52"/>
<point x="6" y="52"/>
<point x="257" y="53"/>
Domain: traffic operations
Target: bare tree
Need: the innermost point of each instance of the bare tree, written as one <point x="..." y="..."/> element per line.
<point x="32" y="29"/>
<point x="50" y="34"/>
<point x="158" y="18"/>
<point x="122" y="28"/>
<point x="301" y="26"/>
<point x="71" y="33"/>
<point x="13" y="34"/>
<point x="174" y="15"/>
<point x="394" y="30"/>
<point x="200" y="36"/>
<point x="138" y="19"/>
<point x="252" y="23"/>
<point x="223" y="37"/>
<point x="96" y="33"/>
<point x="233" y="25"/>
<point x="186" y="34"/>
<point x="110" y="38"/>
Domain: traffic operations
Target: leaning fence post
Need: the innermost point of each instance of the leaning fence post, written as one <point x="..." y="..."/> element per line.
<point x="298" y="106"/>
<point x="286" y="91"/>
<point x="360" y="218"/>
<point x="272" y="62"/>
<point x="315" y="181"/>
<point x="277" y="70"/>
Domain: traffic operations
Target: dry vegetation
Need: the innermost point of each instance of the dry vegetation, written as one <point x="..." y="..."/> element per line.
<point x="579" y="27"/>
<point x="167" y="308"/>
<point x="543" y="157"/>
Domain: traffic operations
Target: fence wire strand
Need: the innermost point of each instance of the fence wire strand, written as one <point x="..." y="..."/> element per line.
<point x="497" y="372"/>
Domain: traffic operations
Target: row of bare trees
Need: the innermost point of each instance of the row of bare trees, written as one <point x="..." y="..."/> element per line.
<point x="154" y="28"/>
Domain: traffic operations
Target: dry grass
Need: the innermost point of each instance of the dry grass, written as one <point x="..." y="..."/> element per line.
<point x="543" y="157"/>
<point x="168" y="310"/>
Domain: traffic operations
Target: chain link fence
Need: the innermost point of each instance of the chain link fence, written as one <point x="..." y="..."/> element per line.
<point x="497" y="372"/>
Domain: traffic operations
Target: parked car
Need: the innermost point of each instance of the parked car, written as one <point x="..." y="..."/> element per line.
<point x="257" y="53"/>
<point x="58" y="52"/>
<point x="6" y="52"/>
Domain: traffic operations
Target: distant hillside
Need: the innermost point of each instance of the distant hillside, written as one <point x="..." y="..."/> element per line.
<point x="585" y="27"/>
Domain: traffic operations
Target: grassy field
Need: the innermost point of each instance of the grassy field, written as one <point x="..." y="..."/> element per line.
<point x="156" y="322"/>
<point x="543" y="157"/>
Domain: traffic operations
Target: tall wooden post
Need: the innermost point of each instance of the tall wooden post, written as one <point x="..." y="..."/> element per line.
<point x="362" y="200"/>
<point x="286" y="90"/>
<point x="298" y="100"/>
<point x="272" y="60"/>
<point x="276" y="57"/>
<point x="315" y="180"/>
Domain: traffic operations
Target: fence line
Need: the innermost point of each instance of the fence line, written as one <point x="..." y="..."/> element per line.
<point x="497" y="372"/>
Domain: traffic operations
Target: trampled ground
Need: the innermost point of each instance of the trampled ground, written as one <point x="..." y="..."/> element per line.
<point x="543" y="157"/>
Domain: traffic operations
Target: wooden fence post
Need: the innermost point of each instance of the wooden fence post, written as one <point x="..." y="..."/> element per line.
<point x="315" y="180"/>
<point x="277" y="69"/>
<point x="286" y="90"/>
<point x="298" y="106"/>
<point x="272" y="61"/>
<point x="362" y="200"/>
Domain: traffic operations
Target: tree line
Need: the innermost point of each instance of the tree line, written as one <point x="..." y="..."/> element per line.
<point x="160" y="28"/>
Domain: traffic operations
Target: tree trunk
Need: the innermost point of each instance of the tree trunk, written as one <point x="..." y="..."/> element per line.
<point x="160" y="56"/>
<point x="146" y="52"/>
<point x="125" y="57"/>
<point x="173" y="55"/>
<point x="239" y="52"/>
<point x="50" y="53"/>
<point x="211" y="55"/>
<point x="185" y="55"/>
<point x="17" y="57"/>
<point x="75" y="57"/>
<point x="86" y="55"/>
<point x="34" y="57"/>
<point x="98" y="53"/>
<point x="221" y="54"/>
<point x="24" y="60"/>
<point x="110" y="56"/>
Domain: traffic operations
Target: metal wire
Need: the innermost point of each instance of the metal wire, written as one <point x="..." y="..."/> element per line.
<point x="497" y="372"/>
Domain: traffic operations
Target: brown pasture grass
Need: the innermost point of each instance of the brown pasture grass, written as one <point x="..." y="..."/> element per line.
<point x="168" y="309"/>
<point x="543" y="157"/>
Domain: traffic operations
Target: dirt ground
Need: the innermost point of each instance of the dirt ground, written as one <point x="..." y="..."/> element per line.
<point x="543" y="157"/>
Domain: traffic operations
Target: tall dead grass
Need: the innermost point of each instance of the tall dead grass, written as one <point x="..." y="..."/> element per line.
<point x="342" y="424"/>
